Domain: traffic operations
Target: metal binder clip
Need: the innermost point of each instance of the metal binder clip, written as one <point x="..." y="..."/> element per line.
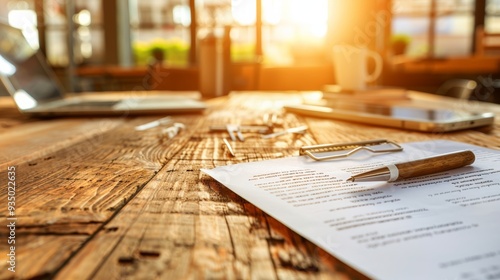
<point x="343" y="150"/>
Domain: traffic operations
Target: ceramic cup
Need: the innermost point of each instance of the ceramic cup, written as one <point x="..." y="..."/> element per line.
<point x="350" y="65"/>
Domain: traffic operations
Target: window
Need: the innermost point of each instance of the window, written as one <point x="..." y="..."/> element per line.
<point x="435" y="28"/>
<point x="88" y="38"/>
<point x="287" y="29"/>
<point x="492" y="17"/>
<point x="22" y="15"/>
<point x="281" y="32"/>
<point x="52" y="25"/>
<point x="161" y="28"/>
<point x="294" y="31"/>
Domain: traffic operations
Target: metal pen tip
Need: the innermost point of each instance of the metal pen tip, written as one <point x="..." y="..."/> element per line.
<point x="350" y="179"/>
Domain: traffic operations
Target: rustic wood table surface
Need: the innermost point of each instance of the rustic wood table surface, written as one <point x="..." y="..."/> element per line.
<point x="95" y="199"/>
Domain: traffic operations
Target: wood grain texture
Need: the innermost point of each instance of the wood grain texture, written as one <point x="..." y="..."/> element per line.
<point x="123" y="204"/>
<point x="227" y="238"/>
<point x="75" y="189"/>
<point x="33" y="140"/>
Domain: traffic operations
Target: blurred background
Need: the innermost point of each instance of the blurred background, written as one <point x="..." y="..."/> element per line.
<point x="258" y="44"/>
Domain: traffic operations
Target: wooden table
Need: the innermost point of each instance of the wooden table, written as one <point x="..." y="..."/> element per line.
<point x="95" y="199"/>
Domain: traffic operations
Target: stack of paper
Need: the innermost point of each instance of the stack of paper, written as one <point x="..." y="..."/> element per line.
<point x="441" y="226"/>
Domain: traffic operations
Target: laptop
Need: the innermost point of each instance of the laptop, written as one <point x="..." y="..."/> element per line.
<point x="28" y="78"/>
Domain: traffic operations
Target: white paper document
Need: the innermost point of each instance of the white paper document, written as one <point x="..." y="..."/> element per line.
<point x="440" y="226"/>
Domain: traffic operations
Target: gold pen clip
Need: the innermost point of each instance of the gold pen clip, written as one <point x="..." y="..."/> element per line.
<point x="334" y="151"/>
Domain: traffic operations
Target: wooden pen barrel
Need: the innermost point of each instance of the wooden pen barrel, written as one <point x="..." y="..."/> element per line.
<point x="435" y="164"/>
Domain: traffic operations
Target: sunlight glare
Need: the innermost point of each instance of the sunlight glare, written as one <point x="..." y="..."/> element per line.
<point x="311" y="16"/>
<point x="272" y="11"/>
<point x="243" y="11"/>
<point x="25" y="20"/>
<point x="6" y="68"/>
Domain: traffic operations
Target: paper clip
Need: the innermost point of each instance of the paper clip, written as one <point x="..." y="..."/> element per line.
<point x="299" y="129"/>
<point x="172" y="130"/>
<point x="162" y="121"/>
<point x="343" y="150"/>
<point x="236" y="130"/>
<point x="229" y="147"/>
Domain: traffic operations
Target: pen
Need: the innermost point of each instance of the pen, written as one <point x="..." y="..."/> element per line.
<point x="426" y="166"/>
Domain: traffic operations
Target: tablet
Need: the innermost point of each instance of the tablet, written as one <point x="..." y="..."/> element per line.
<point x="402" y="116"/>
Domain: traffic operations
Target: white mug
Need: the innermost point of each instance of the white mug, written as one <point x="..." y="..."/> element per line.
<point x="350" y="68"/>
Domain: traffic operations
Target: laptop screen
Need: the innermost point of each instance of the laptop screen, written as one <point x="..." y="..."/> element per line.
<point x="24" y="74"/>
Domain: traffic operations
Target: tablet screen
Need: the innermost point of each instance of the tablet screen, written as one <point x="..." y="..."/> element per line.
<point x="402" y="111"/>
<point x="407" y="115"/>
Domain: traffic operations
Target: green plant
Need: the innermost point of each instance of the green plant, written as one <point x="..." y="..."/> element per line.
<point x="174" y="52"/>
<point x="399" y="43"/>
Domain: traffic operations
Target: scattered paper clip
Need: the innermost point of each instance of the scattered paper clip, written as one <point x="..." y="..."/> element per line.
<point x="270" y="119"/>
<point x="343" y="150"/>
<point x="235" y="131"/>
<point x="173" y="130"/>
<point x="298" y="129"/>
<point x="229" y="147"/>
<point x="162" y="121"/>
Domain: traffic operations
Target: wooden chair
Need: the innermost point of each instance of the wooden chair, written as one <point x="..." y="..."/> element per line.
<point x="458" y="88"/>
<point x="487" y="43"/>
<point x="295" y="78"/>
<point x="171" y="78"/>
